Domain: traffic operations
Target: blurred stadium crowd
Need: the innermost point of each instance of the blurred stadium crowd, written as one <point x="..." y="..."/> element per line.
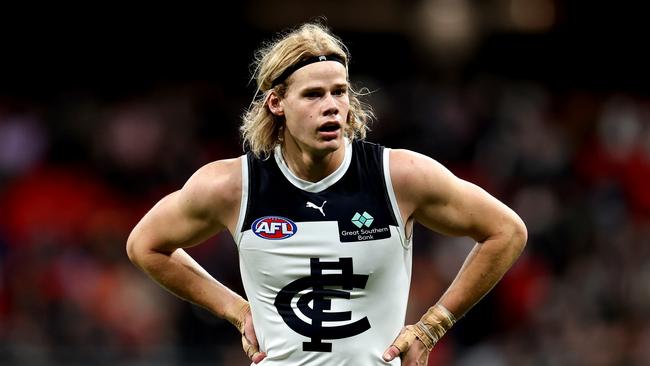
<point x="79" y="167"/>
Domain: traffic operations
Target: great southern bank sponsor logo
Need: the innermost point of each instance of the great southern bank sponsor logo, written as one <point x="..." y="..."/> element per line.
<point x="274" y="227"/>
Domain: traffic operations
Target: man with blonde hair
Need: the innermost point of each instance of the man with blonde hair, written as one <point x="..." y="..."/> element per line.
<point x="323" y="223"/>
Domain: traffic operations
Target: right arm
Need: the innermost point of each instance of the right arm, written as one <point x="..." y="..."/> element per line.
<point x="207" y="204"/>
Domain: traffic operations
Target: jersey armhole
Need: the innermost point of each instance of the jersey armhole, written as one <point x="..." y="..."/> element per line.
<point x="406" y="242"/>
<point x="243" y="206"/>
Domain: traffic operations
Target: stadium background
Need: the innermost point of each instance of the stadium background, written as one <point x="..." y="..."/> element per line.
<point x="544" y="103"/>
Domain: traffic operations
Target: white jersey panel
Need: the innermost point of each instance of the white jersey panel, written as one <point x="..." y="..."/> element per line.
<point x="268" y="266"/>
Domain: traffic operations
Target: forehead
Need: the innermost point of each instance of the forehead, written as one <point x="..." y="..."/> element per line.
<point x="319" y="74"/>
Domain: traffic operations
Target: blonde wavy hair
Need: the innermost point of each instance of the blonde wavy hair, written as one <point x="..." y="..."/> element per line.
<point x="261" y="130"/>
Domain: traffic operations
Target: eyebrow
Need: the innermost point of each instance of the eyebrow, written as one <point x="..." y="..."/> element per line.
<point x="318" y="88"/>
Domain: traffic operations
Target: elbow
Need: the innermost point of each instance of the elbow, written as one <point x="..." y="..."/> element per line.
<point x="142" y="251"/>
<point x="519" y="235"/>
<point x="133" y="250"/>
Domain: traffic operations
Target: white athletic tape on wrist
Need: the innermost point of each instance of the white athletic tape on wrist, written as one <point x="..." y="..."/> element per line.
<point x="431" y="327"/>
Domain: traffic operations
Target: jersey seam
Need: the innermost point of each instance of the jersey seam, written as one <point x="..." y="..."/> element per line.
<point x="245" y="194"/>
<point x="392" y="198"/>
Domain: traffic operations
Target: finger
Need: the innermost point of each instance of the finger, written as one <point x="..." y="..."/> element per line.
<point x="249" y="341"/>
<point x="411" y="360"/>
<point x="405" y="340"/>
<point x="424" y="358"/>
<point x="249" y="348"/>
<point x="391" y="353"/>
<point x="252" y="351"/>
<point x="249" y="333"/>
<point x="258" y="357"/>
<point x="416" y="355"/>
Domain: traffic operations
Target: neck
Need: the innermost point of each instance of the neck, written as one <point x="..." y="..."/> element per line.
<point x="310" y="166"/>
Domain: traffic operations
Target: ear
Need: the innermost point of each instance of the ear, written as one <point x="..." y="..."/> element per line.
<point x="275" y="104"/>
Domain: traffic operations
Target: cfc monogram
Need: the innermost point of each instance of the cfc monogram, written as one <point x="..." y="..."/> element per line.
<point x="321" y="298"/>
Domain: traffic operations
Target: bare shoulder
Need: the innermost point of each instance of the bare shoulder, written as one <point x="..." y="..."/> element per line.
<point x="436" y="198"/>
<point x="421" y="184"/>
<point x="418" y="176"/>
<point x="214" y="190"/>
<point x="217" y="174"/>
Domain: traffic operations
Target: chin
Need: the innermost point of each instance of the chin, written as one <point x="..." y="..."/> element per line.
<point x="333" y="143"/>
<point x="325" y="147"/>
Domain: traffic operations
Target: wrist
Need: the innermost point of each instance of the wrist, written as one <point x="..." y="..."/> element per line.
<point x="236" y="313"/>
<point x="433" y="325"/>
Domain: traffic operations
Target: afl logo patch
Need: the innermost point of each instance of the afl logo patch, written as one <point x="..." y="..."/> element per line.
<point x="274" y="227"/>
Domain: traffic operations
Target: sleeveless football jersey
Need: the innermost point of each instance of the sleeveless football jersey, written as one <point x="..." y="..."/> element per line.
<point x="326" y="266"/>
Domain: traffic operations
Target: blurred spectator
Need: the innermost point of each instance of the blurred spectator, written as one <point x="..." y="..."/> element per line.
<point x="23" y="142"/>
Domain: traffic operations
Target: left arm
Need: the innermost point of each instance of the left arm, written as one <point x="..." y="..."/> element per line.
<point x="431" y="195"/>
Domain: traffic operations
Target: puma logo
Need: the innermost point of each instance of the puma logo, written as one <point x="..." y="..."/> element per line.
<point x="312" y="205"/>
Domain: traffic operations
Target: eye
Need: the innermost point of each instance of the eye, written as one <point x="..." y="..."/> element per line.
<point x="312" y="94"/>
<point x="339" y="92"/>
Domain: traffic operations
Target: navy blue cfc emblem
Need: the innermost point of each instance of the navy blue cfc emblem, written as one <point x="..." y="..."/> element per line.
<point x="274" y="227"/>
<point x="321" y="297"/>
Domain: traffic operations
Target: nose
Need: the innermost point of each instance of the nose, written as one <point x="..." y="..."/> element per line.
<point x="330" y="105"/>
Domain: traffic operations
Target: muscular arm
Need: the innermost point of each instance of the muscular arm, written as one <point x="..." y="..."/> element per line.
<point x="207" y="203"/>
<point x="434" y="197"/>
<point x="431" y="195"/>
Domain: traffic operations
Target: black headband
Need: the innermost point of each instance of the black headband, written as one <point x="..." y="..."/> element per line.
<point x="291" y="69"/>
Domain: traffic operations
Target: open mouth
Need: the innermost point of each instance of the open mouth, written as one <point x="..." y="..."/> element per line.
<point x="329" y="127"/>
